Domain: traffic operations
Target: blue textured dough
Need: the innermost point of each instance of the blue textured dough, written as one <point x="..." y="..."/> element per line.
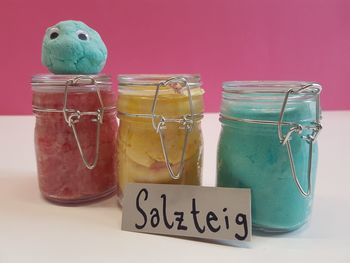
<point x="71" y="47"/>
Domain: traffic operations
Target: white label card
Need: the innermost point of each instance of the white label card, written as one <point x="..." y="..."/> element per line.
<point x="185" y="210"/>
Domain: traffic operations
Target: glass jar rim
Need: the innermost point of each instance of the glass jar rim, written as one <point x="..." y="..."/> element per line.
<point x="271" y="87"/>
<point x="57" y="83"/>
<point x="125" y="80"/>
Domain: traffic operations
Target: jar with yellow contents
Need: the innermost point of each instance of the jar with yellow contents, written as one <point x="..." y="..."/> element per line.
<point x="160" y="137"/>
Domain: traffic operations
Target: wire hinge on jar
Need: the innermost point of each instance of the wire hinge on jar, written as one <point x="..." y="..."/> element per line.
<point x="310" y="138"/>
<point x="186" y="122"/>
<point x="72" y="117"/>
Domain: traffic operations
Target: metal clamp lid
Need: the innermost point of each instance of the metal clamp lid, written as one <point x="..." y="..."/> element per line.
<point x="186" y="121"/>
<point x="285" y="139"/>
<point x="73" y="118"/>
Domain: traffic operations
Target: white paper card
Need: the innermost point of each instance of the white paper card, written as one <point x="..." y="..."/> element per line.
<point x="190" y="211"/>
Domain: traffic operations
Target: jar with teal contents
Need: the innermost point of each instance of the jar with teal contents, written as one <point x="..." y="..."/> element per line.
<point x="268" y="144"/>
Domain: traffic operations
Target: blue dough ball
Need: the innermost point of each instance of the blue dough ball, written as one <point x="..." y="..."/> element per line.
<point x="71" y="47"/>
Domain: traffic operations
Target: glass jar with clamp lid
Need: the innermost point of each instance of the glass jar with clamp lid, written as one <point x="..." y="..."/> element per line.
<point x="75" y="137"/>
<point x="160" y="138"/>
<point x="268" y="144"/>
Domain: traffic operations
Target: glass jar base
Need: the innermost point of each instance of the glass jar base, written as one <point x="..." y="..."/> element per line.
<point x="84" y="200"/>
<point x="275" y="230"/>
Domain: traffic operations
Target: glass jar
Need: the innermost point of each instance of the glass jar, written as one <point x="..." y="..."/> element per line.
<point x="160" y="137"/>
<point x="75" y="134"/>
<point x="267" y="144"/>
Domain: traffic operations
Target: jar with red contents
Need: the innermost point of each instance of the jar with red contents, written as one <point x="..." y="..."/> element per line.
<point x="75" y="137"/>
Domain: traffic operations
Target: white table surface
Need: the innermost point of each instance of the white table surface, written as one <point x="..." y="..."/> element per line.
<point x="33" y="230"/>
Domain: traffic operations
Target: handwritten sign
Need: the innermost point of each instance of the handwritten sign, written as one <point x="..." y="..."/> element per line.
<point x="191" y="211"/>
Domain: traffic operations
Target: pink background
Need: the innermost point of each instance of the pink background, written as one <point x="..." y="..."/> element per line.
<point x="221" y="40"/>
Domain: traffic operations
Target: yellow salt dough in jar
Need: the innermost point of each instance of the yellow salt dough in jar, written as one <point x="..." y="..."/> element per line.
<point x="140" y="154"/>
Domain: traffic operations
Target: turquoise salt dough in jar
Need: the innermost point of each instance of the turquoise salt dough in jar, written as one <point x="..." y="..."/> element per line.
<point x="251" y="153"/>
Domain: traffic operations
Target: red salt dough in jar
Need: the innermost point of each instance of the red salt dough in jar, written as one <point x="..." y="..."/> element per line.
<point x="63" y="176"/>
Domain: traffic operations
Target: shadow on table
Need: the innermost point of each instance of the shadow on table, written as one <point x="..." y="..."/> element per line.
<point x="24" y="187"/>
<point x="328" y="215"/>
<point x="21" y="198"/>
<point x="20" y="186"/>
<point x="19" y="190"/>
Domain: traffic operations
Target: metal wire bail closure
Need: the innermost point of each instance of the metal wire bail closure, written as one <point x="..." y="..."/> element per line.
<point x="187" y="122"/>
<point x="72" y="117"/>
<point x="297" y="128"/>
